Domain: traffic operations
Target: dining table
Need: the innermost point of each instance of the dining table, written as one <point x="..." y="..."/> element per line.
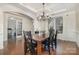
<point x="39" y="39"/>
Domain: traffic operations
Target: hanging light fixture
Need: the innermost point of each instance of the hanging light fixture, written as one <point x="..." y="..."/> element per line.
<point x="43" y="16"/>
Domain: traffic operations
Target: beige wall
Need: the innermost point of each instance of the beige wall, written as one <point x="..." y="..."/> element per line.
<point x="1" y="30"/>
<point x="40" y="25"/>
<point x="77" y="21"/>
<point x="27" y="24"/>
<point x="69" y="25"/>
<point x="77" y="25"/>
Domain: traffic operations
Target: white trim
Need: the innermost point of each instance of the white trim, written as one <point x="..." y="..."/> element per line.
<point x="77" y="32"/>
<point x="68" y="38"/>
<point x="28" y="7"/>
<point x="77" y="37"/>
<point x="24" y="10"/>
<point x="1" y="46"/>
<point x="59" y="11"/>
<point x="1" y="40"/>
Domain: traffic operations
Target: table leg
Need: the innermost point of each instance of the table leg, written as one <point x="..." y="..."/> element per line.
<point x="39" y="48"/>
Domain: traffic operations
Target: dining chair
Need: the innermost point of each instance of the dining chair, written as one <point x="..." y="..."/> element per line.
<point x="29" y="45"/>
<point x="36" y="32"/>
<point x="55" y="39"/>
<point x="51" y="37"/>
<point x="33" y="44"/>
<point x="48" y="42"/>
<point x="25" y="43"/>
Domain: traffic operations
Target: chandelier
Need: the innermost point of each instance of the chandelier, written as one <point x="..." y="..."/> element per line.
<point x="43" y="16"/>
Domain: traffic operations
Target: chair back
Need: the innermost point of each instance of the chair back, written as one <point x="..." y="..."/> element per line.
<point x="55" y="39"/>
<point x="25" y="39"/>
<point x="51" y="34"/>
<point x="25" y="43"/>
<point x="28" y="38"/>
<point x="56" y="35"/>
<point x="36" y="32"/>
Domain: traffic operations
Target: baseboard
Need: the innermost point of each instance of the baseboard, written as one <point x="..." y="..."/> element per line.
<point x="17" y="38"/>
<point x="1" y="45"/>
<point x="1" y="51"/>
<point x="78" y="44"/>
<point x="77" y="36"/>
<point x="67" y="41"/>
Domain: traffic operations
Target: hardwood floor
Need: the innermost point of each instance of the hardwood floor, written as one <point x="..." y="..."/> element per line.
<point x="13" y="48"/>
<point x="63" y="48"/>
<point x="66" y="48"/>
<point x="77" y="51"/>
<point x="1" y="52"/>
<point x="18" y="49"/>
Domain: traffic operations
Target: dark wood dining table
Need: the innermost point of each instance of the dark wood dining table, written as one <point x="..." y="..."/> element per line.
<point x="39" y="39"/>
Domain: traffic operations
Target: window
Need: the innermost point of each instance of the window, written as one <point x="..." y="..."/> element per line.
<point x="56" y="23"/>
<point x="59" y="24"/>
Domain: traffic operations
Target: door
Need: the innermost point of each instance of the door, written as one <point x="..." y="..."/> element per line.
<point x="11" y="29"/>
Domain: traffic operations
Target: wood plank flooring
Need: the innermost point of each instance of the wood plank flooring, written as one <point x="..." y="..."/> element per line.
<point x="63" y="48"/>
<point x="66" y="48"/>
<point x="18" y="49"/>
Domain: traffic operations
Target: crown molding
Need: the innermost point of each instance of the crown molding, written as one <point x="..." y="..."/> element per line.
<point x="28" y="7"/>
<point x="26" y="11"/>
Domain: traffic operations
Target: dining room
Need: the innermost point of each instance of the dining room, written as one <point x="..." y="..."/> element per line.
<point x="39" y="29"/>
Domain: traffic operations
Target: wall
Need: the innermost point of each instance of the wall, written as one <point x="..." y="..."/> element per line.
<point x="77" y="26"/>
<point x="1" y="30"/>
<point x="27" y="24"/>
<point x="40" y="25"/>
<point x="69" y="25"/>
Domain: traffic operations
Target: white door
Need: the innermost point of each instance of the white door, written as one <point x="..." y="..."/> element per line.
<point x="12" y="29"/>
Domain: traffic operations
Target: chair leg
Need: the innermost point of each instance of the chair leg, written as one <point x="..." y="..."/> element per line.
<point x="52" y="46"/>
<point x="32" y="51"/>
<point x="25" y="52"/>
<point x="25" y="49"/>
<point x="49" y="49"/>
<point x="55" y="44"/>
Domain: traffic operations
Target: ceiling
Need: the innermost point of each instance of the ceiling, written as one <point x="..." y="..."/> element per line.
<point x="34" y="9"/>
<point x="49" y="7"/>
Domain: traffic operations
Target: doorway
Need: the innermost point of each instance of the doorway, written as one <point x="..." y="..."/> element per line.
<point x="11" y="30"/>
